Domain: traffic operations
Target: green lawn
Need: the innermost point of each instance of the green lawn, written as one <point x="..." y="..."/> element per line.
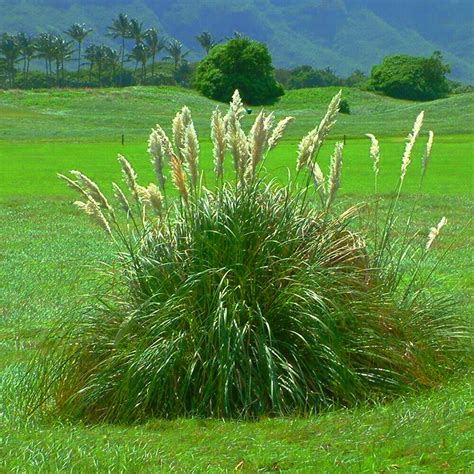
<point x="48" y="253"/>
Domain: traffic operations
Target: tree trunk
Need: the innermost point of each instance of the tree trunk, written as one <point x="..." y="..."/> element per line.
<point x="123" y="57"/>
<point x="79" y="56"/>
<point x="11" y="72"/>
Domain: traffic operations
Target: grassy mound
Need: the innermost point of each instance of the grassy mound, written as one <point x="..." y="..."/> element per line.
<point x="248" y="300"/>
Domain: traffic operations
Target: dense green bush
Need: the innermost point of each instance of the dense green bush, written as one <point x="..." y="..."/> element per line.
<point x="72" y="79"/>
<point x="309" y="77"/>
<point x="306" y="76"/>
<point x="238" y="64"/>
<point x="413" y="78"/>
<point x="456" y="87"/>
<point x="160" y="80"/>
<point x="344" y="107"/>
<point x="249" y="299"/>
<point x="358" y="79"/>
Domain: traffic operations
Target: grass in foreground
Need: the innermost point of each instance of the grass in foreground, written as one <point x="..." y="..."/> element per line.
<point x="430" y="433"/>
<point x="46" y="249"/>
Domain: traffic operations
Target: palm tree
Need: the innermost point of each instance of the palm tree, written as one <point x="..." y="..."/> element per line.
<point x="10" y="49"/>
<point x="45" y="49"/>
<point x="91" y="56"/>
<point x="236" y="35"/>
<point x="27" y="49"/>
<point x="98" y="57"/>
<point x="78" y="32"/>
<point x="112" y="60"/>
<point x="135" y="31"/>
<point x="102" y="54"/>
<point x="120" y="29"/>
<point x="140" y="55"/>
<point x="176" y="53"/>
<point x="155" y="45"/>
<point x="206" y="41"/>
<point x="62" y="51"/>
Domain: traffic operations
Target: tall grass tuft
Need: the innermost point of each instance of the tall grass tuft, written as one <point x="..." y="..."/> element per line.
<point x="246" y="299"/>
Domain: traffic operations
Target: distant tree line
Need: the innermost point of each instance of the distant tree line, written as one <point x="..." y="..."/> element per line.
<point x="306" y="77"/>
<point x="144" y="56"/>
<point x="95" y="64"/>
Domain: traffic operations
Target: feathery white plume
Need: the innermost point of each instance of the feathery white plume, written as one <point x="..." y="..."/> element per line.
<point x="406" y="160"/>
<point x="191" y="153"/>
<point x="218" y="137"/>
<point x="434" y="232"/>
<point x="335" y="173"/>
<point x="427" y="153"/>
<point x="278" y="133"/>
<point x="312" y="142"/>
<point x="155" y="149"/>
<point x="374" y="152"/>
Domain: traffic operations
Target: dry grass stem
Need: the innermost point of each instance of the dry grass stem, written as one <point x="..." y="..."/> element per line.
<point x="305" y="150"/>
<point x="191" y="153"/>
<point x="434" y="232"/>
<point x="93" y="190"/>
<point x="179" y="131"/>
<point x="243" y="153"/>
<point x="218" y="137"/>
<point x="73" y="185"/>
<point x="427" y="153"/>
<point x="257" y="141"/>
<point x="155" y="199"/>
<point x="121" y="198"/>
<point x="374" y="152"/>
<point x="129" y="175"/>
<point x="406" y="160"/>
<point x="166" y="145"/>
<point x="335" y="173"/>
<point x="186" y="116"/>
<point x="310" y="145"/>
<point x="92" y="209"/>
<point x="319" y="180"/>
<point x="235" y="136"/>
<point x="143" y="195"/>
<point x="278" y="133"/>
<point x="155" y="149"/>
<point x="179" y="178"/>
<point x="237" y="109"/>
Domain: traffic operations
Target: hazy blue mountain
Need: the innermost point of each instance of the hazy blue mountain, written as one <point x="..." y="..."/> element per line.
<point x="342" y="34"/>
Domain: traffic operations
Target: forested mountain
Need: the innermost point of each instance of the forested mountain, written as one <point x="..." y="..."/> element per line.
<point x="342" y="34"/>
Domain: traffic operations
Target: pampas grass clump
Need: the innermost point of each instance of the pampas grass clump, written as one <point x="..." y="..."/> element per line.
<point x="246" y="299"/>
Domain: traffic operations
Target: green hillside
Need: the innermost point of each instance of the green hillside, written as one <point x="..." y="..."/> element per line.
<point x="73" y="114"/>
<point x="49" y="131"/>
<point x="342" y="34"/>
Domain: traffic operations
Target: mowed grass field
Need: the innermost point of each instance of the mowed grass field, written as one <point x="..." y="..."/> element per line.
<point x="49" y="254"/>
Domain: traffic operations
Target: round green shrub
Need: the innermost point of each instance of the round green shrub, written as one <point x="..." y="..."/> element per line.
<point x="412" y="78"/>
<point x="344" y="107"/>
<point x="240" y="64"/>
